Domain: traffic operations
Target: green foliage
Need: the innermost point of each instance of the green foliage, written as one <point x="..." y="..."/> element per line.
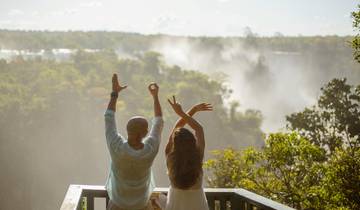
<point x="341" y="184"/>
<point x="334" y="122"/>
<point x="286" y="169"/>
<point x="356" y="41"/>
<point x="317" y="166"/>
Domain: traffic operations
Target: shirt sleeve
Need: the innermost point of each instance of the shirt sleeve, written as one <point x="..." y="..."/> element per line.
<point x="113" y="139"/>
<point x="154" y="137"/>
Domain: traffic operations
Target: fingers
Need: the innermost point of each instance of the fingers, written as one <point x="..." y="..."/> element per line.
<point x="115" y="79"/>
<point x="170" y="102"/>
<point x="173" y="102"/>
<point x="153" y="86"/>
<point x="208" y="107"/>
<point x="205" y="107"/>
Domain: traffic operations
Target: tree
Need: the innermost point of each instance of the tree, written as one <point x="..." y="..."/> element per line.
<point x="317" y="166"/>
<point x="340" y="187"/>
<point x="356" y="41"/>
<point x="286" y="170"/>
<point x="334" y="122"/>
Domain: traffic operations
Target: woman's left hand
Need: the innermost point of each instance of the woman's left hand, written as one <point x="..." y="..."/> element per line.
<point x="202" y="107"/>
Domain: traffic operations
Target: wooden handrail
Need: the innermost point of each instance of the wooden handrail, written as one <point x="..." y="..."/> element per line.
<point x="218" y="198"/>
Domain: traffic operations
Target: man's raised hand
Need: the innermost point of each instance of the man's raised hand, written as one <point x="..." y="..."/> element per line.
<point x="153" y="89"/>
<point x="116" y="87"/>
<point x="202" y="107"/>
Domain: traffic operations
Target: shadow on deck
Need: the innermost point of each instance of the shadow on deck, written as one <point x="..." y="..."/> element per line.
<point x="218" y="198"/>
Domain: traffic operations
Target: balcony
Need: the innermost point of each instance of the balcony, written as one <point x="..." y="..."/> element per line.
<point x="83" y="197"/>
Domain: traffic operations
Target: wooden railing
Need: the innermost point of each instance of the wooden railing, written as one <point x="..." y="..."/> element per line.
<point x="80" y="196"/>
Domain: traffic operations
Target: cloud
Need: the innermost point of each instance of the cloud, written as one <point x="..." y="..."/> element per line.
<point x="18" y="24"/>
<point x="15" y="12"/>
<point x="92" y="4"/>
<point x="35" y="14"/>
<point x="168" y="22"/>
<point x="4" y="23"/>
<point x="164" y="21"/>
<point x="223" y="1"/>
<point x="64" y="12"/>
<point x="347" y="15"/>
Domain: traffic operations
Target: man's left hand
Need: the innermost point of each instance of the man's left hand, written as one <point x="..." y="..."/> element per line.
<point x="154" y="89"/>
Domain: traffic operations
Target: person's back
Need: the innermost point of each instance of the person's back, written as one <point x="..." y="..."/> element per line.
<point x="130" y="181"/>
<point x="184" y="156"/>
<point x="192" y="198"/>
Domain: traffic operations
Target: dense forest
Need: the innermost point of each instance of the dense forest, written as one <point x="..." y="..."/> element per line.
<point x="51" y="124"/>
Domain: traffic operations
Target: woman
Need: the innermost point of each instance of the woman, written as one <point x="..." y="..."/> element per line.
<point x="184" y="156"/>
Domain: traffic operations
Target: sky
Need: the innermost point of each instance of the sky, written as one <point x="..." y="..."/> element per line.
<point x="183" y="17"/>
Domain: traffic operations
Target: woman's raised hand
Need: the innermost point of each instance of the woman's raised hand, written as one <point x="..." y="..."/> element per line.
<point x="176" y="106"/>
<point x="202" y="107"/>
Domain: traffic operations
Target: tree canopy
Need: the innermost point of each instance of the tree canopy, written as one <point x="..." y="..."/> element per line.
<point x="356" y="41"/>
<point x="314" y="166"/>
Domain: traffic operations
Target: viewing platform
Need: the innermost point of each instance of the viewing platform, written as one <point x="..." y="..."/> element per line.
<point x="83" y="197"/>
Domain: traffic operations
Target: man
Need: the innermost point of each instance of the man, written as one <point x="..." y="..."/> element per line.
<point x="130" y="182"/>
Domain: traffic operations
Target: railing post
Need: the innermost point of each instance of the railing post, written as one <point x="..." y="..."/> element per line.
<point x="89" y="202"/>
<point x="250" y="206"/>
<point x="107" y="201"/>
<point x="222" y="201"/>
<point x="236" y="203"/>
<point x="211" y="202"/>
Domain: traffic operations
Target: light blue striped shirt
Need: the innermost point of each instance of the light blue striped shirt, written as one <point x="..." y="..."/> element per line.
<point x="130" y="181"/>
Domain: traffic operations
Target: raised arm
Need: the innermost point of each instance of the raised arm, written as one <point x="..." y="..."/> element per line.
<point x="181" y="122"/>
<point x="110" y="123"/>
<point x="157" y="125"/>
<point x="199" y="132"/>
<point x="154" y="90"/>
<point x="196" y="108"/>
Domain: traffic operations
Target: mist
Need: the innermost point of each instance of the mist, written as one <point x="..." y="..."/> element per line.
<point x="275" y="82"/>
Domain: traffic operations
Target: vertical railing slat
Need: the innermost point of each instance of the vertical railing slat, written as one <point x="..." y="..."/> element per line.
<point x="90" y="202"/>
<point x="222" y="200"/>
<point x="107" y="201"/>
<point x="236" y="203"/>
<point x="211" y="202"/>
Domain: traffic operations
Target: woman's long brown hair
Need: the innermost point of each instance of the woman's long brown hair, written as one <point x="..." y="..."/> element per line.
<point x="184" y="161"/>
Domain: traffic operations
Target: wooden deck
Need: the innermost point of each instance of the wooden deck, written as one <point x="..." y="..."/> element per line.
<point x="218" y="198"/>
